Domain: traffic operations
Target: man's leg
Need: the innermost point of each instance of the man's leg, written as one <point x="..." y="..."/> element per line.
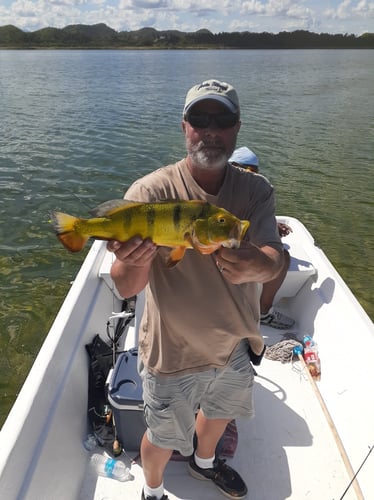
<point x="205" y="466"/>
<point x="208" y="433"/>
<point x="154" y="461"/>
<point x="270" y="316"/>
<point x="270" y="288"/>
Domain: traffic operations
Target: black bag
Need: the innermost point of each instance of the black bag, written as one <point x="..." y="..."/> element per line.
<point x="256" y="358"/>
<point x="98" y="409"/>
<point x="101" y="360"/>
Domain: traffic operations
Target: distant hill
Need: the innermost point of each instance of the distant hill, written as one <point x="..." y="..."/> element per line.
<point x="100" y="36"/>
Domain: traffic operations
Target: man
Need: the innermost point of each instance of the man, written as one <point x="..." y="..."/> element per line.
<point x="197" y="327"/>
<point x="245" y="158"/>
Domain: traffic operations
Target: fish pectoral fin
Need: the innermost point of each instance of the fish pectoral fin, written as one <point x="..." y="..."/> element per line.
<point x="175" y="256"/>
<point x="200" y="247"/>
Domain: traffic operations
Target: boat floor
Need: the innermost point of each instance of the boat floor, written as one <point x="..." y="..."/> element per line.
<point x="286" y="451"/>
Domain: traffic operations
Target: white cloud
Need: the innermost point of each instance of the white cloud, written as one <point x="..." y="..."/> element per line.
<point x="253" y="7"/>
<point x="343" y="10"/>
<point x="347" y="10"/>
<point x="364" y="8"/>
<point x="191" y="15"/>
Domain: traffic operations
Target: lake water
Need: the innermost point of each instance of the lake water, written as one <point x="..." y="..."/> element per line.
<point x="77" y="127"/>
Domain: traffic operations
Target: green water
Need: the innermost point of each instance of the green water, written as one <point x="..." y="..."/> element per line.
<point x="77" y="127"/>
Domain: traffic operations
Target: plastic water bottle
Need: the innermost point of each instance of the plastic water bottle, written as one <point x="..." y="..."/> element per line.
<point x="110" y="467"/>
<point x="311" y="357"/>
<point x="90" y="442"/>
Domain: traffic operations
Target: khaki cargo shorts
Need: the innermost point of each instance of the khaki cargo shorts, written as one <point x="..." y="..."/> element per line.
<point x="171" y="403"/>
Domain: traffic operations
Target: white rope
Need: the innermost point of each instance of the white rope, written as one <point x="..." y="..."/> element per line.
<point x="282" y="351"/>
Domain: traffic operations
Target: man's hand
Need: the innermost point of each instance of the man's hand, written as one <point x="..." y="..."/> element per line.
<point x="249" y="263"/>
<point x="130" y="270"/>
<point x="284" y="229"/>
<point x="134" y="252"/>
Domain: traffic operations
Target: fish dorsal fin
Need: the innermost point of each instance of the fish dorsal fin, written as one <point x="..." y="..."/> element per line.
<point x="112" y="206"/>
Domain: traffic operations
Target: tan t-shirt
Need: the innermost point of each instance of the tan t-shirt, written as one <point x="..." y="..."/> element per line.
<point x="194" y="318"/>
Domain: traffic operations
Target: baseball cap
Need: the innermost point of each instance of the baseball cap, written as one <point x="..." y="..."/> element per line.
<point x="244" y="156"/>
<point x="213" y="89"/>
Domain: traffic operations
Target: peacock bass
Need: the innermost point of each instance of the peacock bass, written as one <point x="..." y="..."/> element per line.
<point x="178" y="224"/>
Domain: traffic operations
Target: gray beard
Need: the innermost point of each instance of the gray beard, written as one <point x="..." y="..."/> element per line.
<point x="208" y="158"/>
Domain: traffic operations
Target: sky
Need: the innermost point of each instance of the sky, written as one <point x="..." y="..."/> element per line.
<point x="320" y="16"/>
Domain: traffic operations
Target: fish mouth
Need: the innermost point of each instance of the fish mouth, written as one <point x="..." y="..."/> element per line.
<point x="236" y="235"/>
<point x="231" y="243"/>
<point x="244" y="225"/>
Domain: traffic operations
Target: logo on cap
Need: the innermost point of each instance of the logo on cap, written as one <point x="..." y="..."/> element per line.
<point x="218" y="86"/>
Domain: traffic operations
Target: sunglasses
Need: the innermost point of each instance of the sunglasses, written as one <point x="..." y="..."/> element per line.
<point x="205" y="120"/>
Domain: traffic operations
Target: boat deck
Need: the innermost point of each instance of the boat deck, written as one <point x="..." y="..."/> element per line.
<point x="288" y="433"/>
<point x="287" y="451"/>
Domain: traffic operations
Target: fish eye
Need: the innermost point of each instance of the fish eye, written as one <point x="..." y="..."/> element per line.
<point x="222" y="220"/>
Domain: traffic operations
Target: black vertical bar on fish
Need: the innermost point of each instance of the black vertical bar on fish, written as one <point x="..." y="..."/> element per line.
<point x="204" y="211"/>
<point x="127" y="219"/>
<point x="177" y="213"/>
<point x="151" y="216"/>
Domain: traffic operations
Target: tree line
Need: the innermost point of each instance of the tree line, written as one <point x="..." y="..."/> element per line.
<point x="100" y="36"/>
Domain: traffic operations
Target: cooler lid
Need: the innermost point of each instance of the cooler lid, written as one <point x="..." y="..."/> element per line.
<point x="125" y="387"/>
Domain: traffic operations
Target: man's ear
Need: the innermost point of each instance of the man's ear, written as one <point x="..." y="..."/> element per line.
<point x="184" y="126"/>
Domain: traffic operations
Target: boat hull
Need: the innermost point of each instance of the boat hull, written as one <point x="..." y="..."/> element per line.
<point x="287" y="451"/>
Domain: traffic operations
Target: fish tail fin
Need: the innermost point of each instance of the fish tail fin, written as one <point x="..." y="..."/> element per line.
<point x="66" y="231"/>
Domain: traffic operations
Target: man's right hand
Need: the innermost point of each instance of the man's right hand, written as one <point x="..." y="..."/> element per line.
<point x="133" y="252"/>
<point x="130" y="270"/>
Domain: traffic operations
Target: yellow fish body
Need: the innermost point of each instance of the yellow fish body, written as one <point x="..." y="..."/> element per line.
<point x="178" y="224"/>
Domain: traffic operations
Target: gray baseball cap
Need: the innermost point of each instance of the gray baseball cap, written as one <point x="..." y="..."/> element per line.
<point x="213" y="89"/>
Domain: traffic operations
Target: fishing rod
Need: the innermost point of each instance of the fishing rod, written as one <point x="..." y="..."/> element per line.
<point x="333" y="428"/>
<point x="358" y="470"/>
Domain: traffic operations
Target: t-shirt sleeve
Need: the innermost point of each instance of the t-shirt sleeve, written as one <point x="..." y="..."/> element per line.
<point x="138" y="192"/>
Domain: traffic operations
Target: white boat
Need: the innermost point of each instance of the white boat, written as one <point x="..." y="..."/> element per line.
<point x="306" y="440"/>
